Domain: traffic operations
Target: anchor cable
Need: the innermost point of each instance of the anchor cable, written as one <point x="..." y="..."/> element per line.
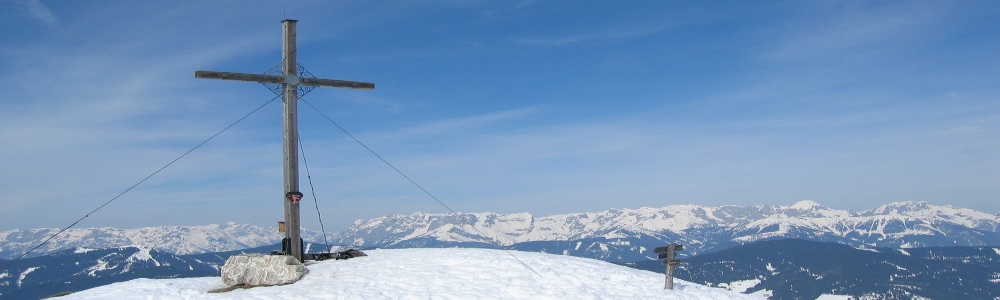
<point x="137" y="184"/>
<point x="313" y="190"/>
<point x="462" y="216"/>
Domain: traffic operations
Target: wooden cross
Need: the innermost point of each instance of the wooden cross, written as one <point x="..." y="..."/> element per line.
<point x="289" y="81"/>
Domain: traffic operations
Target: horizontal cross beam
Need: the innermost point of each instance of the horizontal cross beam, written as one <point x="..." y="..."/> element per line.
<point x="293" y="80"/>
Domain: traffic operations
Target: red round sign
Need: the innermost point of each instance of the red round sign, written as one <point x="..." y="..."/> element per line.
<point x="294" y="197"/>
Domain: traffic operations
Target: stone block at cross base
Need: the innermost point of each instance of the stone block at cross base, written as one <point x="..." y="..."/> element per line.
<point x="262" y="270"/>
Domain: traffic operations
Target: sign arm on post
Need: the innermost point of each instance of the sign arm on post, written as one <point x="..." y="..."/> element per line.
<point x="338" y="83"/>
<point x="239" y="76"/>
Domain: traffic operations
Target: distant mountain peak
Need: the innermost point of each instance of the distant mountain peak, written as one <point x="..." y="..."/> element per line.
<point x="902" y="208"/>
<point x="806" y="205"/>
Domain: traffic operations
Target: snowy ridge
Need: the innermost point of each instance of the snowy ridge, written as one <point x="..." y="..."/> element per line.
<point x="898" y="225"/>
<point x="78" y="269"/>
<point x="173" y="239"/>
<point x="435" y="274"/>
<point x="121" y="260"/>
<point x="24" y="274"/>
<point x="615" y="235"/>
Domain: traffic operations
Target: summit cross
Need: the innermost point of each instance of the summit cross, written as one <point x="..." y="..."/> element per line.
<point x="290" y="81"/>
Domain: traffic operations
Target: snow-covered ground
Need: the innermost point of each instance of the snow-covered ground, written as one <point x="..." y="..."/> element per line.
<point x="436" y="274"/>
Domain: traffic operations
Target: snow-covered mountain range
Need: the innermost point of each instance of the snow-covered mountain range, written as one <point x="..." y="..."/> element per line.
<point x="178" y="240"/>
<point x="625" y="234"/>
<point x="619" y="235"/>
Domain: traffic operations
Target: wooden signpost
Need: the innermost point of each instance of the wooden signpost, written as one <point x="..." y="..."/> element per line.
<point x="668" y="254"/>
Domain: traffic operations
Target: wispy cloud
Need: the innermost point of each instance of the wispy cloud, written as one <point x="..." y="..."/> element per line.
<point x="593" y="37"/>
<point x="452" y="126"/>
<point x="848" y="29"/>
<point x="41" y="13"/>
<point x="520" y="6"/>
<point x="81" y="110"/>
<point x="770" y="115"/>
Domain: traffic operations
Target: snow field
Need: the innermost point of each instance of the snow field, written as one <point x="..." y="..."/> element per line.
<point x="436" y="274"/>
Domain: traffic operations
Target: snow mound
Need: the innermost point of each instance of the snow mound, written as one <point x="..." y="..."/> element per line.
<point x="435" y="274"/>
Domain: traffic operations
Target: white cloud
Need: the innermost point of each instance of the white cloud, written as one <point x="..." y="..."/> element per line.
<point x="593" y="37"/>
<point x="853" y="30"/>
<point x="41" y="13"/>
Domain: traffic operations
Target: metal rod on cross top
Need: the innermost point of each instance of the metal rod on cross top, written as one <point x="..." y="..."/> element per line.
<point x="290" y="80"/>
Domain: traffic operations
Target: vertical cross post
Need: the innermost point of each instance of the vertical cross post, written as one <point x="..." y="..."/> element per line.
<point x="291" y="137"/>
<point x="290" y="81"/>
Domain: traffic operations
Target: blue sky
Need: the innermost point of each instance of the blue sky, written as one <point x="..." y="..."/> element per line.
<point x="544" y="107"/>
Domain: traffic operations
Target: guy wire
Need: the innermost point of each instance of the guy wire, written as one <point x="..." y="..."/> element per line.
<point x="414" y="182"/>
<point x="135" y="185"/>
